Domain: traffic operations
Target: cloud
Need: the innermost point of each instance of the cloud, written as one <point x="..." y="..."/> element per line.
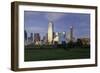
<point x="54" y="16"/>
<point x="50" y="16"/>
<point x="35" y="29"/>
<point x="30" y="13"/>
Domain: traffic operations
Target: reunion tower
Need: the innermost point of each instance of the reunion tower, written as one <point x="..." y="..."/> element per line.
<point x="50" y="33"/>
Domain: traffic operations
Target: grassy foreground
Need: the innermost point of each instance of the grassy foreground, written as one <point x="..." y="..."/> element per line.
<point x="31" y="54"/>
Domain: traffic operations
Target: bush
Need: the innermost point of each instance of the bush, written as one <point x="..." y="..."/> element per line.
<point x="70" y="44"/>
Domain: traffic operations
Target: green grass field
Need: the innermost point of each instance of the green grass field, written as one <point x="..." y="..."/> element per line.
<point x="55" y="54"/>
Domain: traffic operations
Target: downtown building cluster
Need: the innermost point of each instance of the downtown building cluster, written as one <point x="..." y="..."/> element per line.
<point x="51" y="37"/>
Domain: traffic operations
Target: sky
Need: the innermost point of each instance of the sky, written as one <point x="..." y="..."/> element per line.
<point x="37" y="22"/>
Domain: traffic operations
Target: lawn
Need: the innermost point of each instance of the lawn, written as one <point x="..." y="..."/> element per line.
<point x="31" y="54"/>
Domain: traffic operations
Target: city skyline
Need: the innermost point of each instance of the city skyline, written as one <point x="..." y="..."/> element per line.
<point x="37" y="22"/>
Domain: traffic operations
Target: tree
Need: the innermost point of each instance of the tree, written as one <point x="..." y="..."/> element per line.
<point x="79" y="43"/>
<point x="70" y="44"/>
<point x="64" y="44"/>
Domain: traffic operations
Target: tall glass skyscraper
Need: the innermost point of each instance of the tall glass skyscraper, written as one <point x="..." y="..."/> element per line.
<point x="50" y="32"/>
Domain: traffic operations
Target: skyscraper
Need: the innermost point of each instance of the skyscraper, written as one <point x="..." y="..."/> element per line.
<point x="62" y="36"/>
<point x="36" y="38"/>
<point x="31" y="37"/>
<point x="25" y="35"/>
<point x="50" y="33"/>
<point x="71" y="33"/>
<point x="45" y="39"/>
<point x="56" y="37"/>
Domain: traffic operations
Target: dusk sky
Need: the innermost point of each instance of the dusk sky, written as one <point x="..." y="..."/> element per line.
<point x="37" y="22"/>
